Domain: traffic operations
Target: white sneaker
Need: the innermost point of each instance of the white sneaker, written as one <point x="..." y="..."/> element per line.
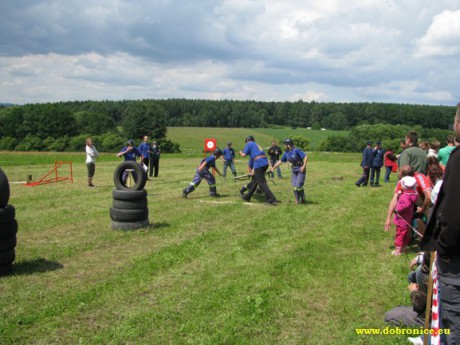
<point x="416" y="340"/>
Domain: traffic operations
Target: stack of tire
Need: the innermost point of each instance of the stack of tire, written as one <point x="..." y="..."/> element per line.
<point x="8" y="228"/>
<point x="129" y="209"/>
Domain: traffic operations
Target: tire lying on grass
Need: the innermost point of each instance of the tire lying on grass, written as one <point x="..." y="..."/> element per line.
<point x="129" y="225"/>
<point x="140" y="181"/>
<point x="129" y="195"/>
<point x="4" y="189"/>
<point x="126" y="215"/>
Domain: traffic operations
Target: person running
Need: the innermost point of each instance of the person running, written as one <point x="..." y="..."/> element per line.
<point x="202" y="172"/>
<point x="298" y="160"/>
<point x="260" y="167"/>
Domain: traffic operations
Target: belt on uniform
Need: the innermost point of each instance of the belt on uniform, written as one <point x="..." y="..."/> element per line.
<point x="259" y="156"/>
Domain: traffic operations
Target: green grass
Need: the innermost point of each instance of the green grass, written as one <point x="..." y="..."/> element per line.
<point x="191" y="139"/>
<point x="208" y="271"/>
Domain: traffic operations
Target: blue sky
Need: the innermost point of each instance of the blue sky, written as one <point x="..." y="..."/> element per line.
<point x="324" y="50"/>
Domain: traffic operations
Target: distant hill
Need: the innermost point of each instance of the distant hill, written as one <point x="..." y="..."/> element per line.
<point x="5" y="105"/>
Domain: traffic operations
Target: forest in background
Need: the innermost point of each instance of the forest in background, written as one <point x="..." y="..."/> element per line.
<point x="63" y="126"/>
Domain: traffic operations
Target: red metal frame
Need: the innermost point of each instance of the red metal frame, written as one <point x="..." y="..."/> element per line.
<point x="56" y="178"/>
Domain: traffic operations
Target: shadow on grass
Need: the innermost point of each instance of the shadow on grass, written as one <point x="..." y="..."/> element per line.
<point x="160" y="225"/>
<point x="39" y="265"/>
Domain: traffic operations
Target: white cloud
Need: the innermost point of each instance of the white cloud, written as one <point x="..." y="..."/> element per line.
<point x="442" y="37"/>
<point x="270" y="50"/>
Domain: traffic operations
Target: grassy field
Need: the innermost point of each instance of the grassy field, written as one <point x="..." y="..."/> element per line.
<point x="207" y="271"/>
<point x="191" y="139"/>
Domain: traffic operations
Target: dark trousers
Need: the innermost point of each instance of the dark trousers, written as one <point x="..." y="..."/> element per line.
<point x="375" y="175"/>
<point x="259" y="177"/>
<point x="364" y="179"/>
<point x="154" y="164"/>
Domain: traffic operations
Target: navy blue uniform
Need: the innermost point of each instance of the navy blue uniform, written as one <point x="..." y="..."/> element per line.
<point x="296" y="157"/>
<point x="366" y="164"/>
<point x="204" y="174"/>
<point x="377" y="163"/>
<point x="229" y="156"/>
<point x="260" y="160"/>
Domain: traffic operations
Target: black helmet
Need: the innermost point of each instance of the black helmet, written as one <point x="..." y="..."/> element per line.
<point x="131" y="142"/>
<point x="288" y="142"/>
<point x="249" y="138"/>
<point x="217" y="152"/>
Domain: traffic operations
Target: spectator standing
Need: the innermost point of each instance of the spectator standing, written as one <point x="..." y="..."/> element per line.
<point x="145" y="149"/>
<point x="443" y="235"/>
<point x="229" y="159"/>
<point x="404" y="212"/>
<point x="154" y="159"/>
<point x="366" y="164"/>
<point x="274" y="152"/>
<point x="389" y="162"/>
<point x="91" y="155"/>
<point x="413" y="155"/>
<point x="444" y="153"/>
<point x="434" y="148"/>
<point x="377" y="163"/>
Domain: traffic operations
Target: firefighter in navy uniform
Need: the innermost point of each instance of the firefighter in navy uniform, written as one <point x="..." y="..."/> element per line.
<point x="299" y="160"/>
<point x="202" y="172"/>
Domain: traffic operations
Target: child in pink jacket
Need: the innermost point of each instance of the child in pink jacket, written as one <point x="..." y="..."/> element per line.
<point x="404" y="212"/>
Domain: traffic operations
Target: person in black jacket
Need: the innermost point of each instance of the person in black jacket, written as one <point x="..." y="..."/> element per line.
<point x="154" y="159"/>
<point x="443" y="235"/>
<point x="366" y="164"/>
<point x="274" y="152"/>
<point x="377" y="163"/>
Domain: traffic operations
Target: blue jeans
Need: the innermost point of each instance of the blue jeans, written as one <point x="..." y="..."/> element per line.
<point x="278" y="170"/>
<point x="388" y="171"/>
<point x="232" y="168"/>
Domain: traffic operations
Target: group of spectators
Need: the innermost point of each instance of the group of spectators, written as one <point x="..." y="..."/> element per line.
<point x="425" y="205"/>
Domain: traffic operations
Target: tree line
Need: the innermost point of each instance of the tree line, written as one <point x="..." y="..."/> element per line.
<point x="60" y="126"/>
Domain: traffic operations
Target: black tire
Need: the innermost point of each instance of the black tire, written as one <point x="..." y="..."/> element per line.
<point x="8" y="243"/>
<point x="8" y="230"/>
<point x="7" y="257"/>
<point x="129" y="195"/>
<point x="140" y="172"/>
<point x="7" y="214"/>
<point x="4" y="189"/>
<point x="121" y="215"/>
<point x="6" y="270"/>
<point x="129" y="225"/>
<point x="129" y="205"/>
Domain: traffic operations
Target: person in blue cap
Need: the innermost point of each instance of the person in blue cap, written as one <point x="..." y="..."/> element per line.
<point x="229" y="159"/>
<point x="202" y="172"/>
<point x="366" y="164"/>
<point x="299" y="160"/>
<point x="257" y="154"/>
